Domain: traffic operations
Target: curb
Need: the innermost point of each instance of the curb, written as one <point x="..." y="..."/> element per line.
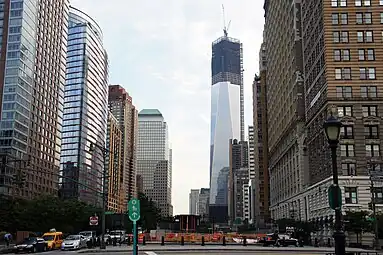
<point x="228" y="249"/>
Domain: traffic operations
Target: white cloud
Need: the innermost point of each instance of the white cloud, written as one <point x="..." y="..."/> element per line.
<point x="160" y="52"/>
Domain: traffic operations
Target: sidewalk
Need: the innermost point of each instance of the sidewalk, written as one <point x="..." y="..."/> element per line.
<point x="156" y="247"/>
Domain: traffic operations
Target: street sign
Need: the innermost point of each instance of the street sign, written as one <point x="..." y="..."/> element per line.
<point x="334" y="197"/>
<point x="134" y="209"/>
<point x="93" y="220"/>
<point x="109" y="212"/>
<point x="134" y="215"/>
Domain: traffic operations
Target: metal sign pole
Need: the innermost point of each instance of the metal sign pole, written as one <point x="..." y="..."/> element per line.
<point x="135" y="246"/>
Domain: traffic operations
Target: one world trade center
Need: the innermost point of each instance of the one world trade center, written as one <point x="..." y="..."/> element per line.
<point x="227" y="119"/>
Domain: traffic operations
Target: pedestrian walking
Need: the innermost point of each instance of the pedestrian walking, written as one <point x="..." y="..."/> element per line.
<point x="7" y="238"/>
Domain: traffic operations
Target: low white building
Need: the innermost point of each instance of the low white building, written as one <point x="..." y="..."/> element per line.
<point x="312" y="204"/>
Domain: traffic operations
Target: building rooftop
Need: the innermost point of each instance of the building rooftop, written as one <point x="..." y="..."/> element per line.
<point x="150" y="112"/>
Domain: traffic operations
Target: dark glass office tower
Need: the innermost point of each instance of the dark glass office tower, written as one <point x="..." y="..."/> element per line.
<point x="85" y="110"/>
<point x="227" y="118"/>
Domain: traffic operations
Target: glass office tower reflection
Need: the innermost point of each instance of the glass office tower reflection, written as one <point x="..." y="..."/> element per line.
<point x="32" y="78"/>
<point x="226" y="118"/>
<point x="85" y="110"/>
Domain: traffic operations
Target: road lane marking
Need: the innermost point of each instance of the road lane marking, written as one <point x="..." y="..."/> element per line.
<point x="150" y="253"/>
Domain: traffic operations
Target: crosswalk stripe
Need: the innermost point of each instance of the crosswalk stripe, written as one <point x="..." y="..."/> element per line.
<point x="150" y="253"/>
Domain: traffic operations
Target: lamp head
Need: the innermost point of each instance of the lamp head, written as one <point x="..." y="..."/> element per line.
<point x="332" y="129"/>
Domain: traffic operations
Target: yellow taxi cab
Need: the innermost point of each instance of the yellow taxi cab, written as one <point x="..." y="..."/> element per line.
<point x="54" y="239"/>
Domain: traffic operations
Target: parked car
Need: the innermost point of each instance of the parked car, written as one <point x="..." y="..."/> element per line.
<point x="119" y="235"/>
<point x="31" y="244"/>
<point x="283" y="240"/>
<point x="74" y="242"/>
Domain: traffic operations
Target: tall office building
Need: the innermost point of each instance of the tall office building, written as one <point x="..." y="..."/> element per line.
<point x="32" y="79"/>
<point x="85" y="110"/>
<point x="261" y="184"/>
<point x="154" y="159"/>
<point x="193" y="201"/>
<point x="227" y="117"/>
<point x="285" y="100"/>
<point x="237" y="179"/>
<point x="203" y="203"/>
<point x="121" y="105"/>
<point x="116" y="190"/>
<point x="346" y="82"/>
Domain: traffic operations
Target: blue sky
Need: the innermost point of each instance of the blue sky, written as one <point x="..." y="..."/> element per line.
<point x="160" y="51"/>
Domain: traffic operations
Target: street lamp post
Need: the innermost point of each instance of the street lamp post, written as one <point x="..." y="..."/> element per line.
<point x="332" y="129"/>
<point x="104" y="151"/>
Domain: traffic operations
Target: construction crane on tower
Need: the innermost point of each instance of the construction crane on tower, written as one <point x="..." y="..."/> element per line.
<point x="225" y="28"/>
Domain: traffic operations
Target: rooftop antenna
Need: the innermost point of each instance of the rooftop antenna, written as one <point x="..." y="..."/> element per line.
<point x="225" y="28"/>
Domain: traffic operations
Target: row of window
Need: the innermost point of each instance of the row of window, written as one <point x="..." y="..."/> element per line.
<point x="362" y="36"/>
<point x="367" y="110"/>
<point x="348" y="150"/>
<point x="358" y="3"/>
<point x="350" y="169"/>
<point x="351" y="195"/>
<point x="363" y="55"/>
<point x="360" y="18"/>
<point x="365" y="73"/>
<point x="370" y="132"/>
<point x="365" y="92"/>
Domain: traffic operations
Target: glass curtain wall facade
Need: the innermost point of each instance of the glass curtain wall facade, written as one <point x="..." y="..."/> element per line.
<point x="226" y="94"/>
<point x="85" y="111"/>
<point x="32" y="77"/>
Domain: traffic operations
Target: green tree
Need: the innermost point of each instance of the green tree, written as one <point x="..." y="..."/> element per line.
<point x="356" y="222"/>
<point x="150" y="214"/>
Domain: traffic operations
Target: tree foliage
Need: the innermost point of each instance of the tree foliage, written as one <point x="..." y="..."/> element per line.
<point x="150" y="214"/>
<point x="357" y="222"/>
<point x="69" y="216"/>
<point x="44" y="213"/>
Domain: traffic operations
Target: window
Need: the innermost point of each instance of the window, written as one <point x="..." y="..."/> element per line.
<point x="369" y="36"/>
<point x="350" y="195"/>
<point x="371" y="132"/>
<point x="343" y="18"/>
<point x="366" y="36"/>
<point x="380" y="2"/>
<point x="344" y="37"/>
<point x="342" y="55"/>
<point x="347" y="132"/>
<point x="344" y="111"/>
<point x="367" y="18"/>
<point x="337" y="55"/>
<point x="367" y="73"/>
<point x="363" y="2"/>
<point x="344" y="92"/>
<point x="366" y="54"/>
<point x="378" y="195"/>
<point x="347" y="150"/>
<point x="381" y="17"/>
<point x="349" y="169"/>
<point x="359" y="18"/>
<point x="335" y="18"/>
<point x="340" y="36"/>
<point x="358" y="2"/>
<point x="368" y="91"/>
<point x="369" y="110"/>
<point x="336" y="36"/>
<point x="343" y="73"/>
<point x="342" y="3"/>
<point x="372" y="150"/>
<point x="370" y="54"/>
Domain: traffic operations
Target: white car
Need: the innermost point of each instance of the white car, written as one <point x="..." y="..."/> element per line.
<point x="74" y="242"/>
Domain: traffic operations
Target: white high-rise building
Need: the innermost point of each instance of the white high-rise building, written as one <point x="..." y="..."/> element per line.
<point x="154" y="159"/>
<point x="193" y="201"/>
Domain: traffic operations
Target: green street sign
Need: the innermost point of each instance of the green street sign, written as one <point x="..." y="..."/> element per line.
<point x="109" y="213"/>
<point x="134" y="209"/>
<point x="335" y="197"/>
